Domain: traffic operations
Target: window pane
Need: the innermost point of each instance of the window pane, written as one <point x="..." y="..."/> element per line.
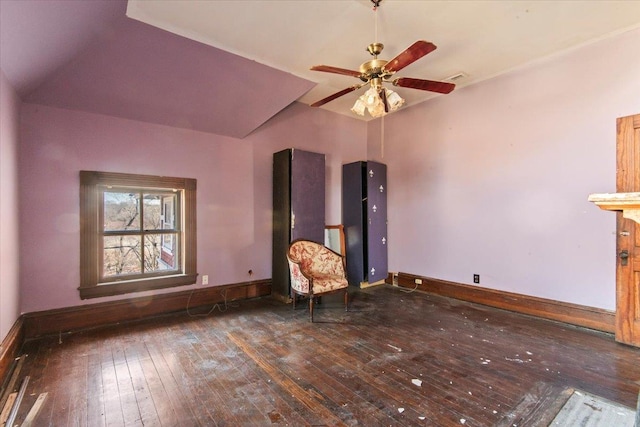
<point x="168" y="212"/>
<point x="157" y="257"/>
<point x="121" y="211"/>
<point x="137" y="233"/>
<point x="152" y="212"/>
<point x="122" y="255"/>
<point x="168" y="242"/>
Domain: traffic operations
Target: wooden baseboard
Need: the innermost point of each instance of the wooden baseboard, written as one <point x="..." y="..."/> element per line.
<point x="50" y="322"/>
<point x="10" y="348"/>
<point x="364" y="285"/>
<point x="574" y="314"/>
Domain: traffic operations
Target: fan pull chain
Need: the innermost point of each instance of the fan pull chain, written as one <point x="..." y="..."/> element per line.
<point x="382" y="137"/>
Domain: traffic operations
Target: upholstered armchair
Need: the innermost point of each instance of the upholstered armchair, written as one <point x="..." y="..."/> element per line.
<point x="316" y="270"/>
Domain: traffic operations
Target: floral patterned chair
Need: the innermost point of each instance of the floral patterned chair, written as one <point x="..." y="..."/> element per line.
<point x="316" y="270"/>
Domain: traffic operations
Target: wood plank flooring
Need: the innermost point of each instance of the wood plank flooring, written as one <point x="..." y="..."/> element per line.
<point x="395" y="358"/>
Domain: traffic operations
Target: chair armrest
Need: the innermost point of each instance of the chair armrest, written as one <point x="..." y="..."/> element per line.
<point x="299" y="280"/>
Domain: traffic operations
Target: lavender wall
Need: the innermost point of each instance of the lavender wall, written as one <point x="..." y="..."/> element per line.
<point x="9" y="255"/>
<point x="234" y="187"/>
<point x="493" y="179"/>
<point x="341" y="138"/>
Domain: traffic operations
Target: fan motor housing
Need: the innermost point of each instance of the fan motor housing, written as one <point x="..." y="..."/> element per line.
<point x="373" y="69"/>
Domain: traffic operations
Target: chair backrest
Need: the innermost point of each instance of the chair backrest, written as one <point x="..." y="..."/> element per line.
<point x="302" y="252"/>
<point x="315" y="257"/>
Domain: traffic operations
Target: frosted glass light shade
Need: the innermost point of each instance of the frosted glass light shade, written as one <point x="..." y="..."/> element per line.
<point x="371" y="101"/>
<point x="359" y="106"/>
<point x="394" y="100"/>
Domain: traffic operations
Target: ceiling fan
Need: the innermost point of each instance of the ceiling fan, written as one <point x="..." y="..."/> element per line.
<point x="379" y="100"/>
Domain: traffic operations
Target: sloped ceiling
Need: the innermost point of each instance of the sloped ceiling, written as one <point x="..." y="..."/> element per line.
<point x="129" y="69"/>
<point x="226" y="67"/>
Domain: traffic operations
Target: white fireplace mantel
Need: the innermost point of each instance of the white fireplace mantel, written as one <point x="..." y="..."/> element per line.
<point x="627" y="203"/>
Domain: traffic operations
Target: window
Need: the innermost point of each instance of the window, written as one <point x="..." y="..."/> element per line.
<point x="137" y="232"/>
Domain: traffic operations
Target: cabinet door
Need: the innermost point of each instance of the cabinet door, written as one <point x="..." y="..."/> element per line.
<point x="377" y="222"/>
<point x="281" y="224"/>
<point x="307" y="195"/>
<point x="353" y="218"/>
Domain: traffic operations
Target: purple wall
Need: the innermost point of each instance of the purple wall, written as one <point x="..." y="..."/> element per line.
<point x="9" y="254"/>
<point x="493" y="179"/>
<point x="234" y="187"/>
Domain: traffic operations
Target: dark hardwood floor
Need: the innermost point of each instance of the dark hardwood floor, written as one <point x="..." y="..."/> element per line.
<point x="394" y="359"/>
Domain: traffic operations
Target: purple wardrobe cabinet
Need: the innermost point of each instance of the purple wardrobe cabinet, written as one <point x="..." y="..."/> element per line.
<point x="298" y="209"/>
<point x="364" y="216"/>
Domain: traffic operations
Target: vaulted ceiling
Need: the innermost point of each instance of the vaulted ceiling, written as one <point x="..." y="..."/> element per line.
<point x="227" y="67"/>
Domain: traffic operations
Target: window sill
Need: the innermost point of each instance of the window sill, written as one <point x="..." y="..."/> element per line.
<point x="140" y="285"/>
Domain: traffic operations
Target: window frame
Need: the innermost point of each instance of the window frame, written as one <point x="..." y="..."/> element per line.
<point x="168" y="207"/>
<point x="92" y="184"/>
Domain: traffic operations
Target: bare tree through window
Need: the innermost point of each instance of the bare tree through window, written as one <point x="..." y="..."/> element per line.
<point x="135" y="227"/>
<point x="137" y="233"/>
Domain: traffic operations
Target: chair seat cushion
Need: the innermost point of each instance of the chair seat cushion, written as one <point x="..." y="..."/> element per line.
<point x="328" y="282"/>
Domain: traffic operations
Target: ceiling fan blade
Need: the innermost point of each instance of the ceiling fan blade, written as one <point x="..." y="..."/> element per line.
<point x="430" y="85"/>
<point x="336" y="95"/>
<point x="336" y="70"/>
<point x="383" y="96"/>
<point x="410" y="55"/>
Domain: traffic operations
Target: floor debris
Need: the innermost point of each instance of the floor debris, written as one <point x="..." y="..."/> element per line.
<point x="33" y="413"/>
<point x="417" y="382"/>
<point x="7" y="407"/>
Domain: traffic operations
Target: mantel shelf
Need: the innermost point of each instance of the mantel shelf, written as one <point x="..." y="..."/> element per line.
<point x="627" y="203"/>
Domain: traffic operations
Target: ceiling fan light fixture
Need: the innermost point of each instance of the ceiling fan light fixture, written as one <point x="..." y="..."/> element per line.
<point x="371" y="102"/>
<point x="394" y="100"/>
<point x="359" y="106"/>
<point x="377" y="110"/>
<point x="372" y="98"/>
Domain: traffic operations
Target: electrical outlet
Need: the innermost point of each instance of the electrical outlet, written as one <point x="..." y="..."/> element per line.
<point x="418" y="281"/>
<point x="476" y="278"/>
<point x="205" y="279"/>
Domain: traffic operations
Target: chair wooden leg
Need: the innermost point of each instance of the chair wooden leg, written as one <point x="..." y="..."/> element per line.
<point x="293" y="297"/>
<point x="311" y="308"/>
<point x="346" y="300"/>
<point x="638" y="412"/>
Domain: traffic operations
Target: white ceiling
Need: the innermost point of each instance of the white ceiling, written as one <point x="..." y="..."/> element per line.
<point x="482" y="39"/>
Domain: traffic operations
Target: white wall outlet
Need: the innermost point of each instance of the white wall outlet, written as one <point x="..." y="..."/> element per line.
<point x="418" y="281"/>
<point x="205" y="279"/>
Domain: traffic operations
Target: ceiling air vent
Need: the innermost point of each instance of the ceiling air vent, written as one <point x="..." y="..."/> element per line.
<point x="456" y="77"/>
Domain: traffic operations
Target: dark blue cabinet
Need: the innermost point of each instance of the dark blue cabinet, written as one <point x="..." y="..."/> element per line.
<point x="298" y="208"/>
<point x="364" y="216"/>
